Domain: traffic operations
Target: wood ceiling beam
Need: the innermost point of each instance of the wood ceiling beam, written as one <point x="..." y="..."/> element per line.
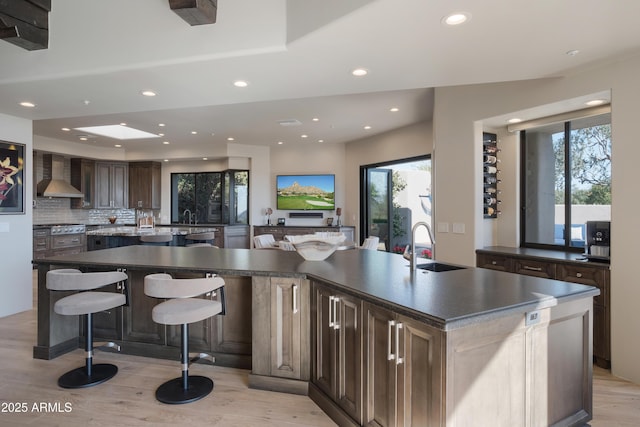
<point x="25" y="23"/>
<point x="195" y="12"/>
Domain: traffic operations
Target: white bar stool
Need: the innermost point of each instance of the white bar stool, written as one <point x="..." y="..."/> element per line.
<point x="86" y="302"/>
<point x="183" y="308"/>
<point x="160" y="239"/>
<point x="199" y="239"/>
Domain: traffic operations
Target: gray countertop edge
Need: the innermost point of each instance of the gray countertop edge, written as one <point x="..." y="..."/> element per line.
<point x="446" y="301"/>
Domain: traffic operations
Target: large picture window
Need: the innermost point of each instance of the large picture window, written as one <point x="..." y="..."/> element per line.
<point x="210" y="197"/>
<point x="566" y="178"/>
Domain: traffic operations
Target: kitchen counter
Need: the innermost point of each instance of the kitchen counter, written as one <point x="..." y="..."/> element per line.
<point x="447" y="299"/>
<point x="446" y="348"/>
<point x="136" y="231"/>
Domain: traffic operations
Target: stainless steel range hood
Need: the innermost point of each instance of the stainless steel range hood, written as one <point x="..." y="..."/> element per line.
<point x="53" y="183"/>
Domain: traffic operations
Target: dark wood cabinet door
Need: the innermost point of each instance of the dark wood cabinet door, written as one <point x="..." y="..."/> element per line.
<point x="324" y="367"/>
<point x="349" y="355"/>
<point x="529" y="267"/>
<point x="286" y="325"/>
<point x="380" y="371"/>
<point x="231" y="333"/>
<point x="420" y="388"/>
<point x="138" y="324"/>
<point x="112" y="185"/>
<point x="145" y="185"/>
<point x="493" y="262"/>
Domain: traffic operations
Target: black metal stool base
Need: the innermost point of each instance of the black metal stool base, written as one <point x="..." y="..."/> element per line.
<point x="78" y="377"/>
<point x="172" y="391"/>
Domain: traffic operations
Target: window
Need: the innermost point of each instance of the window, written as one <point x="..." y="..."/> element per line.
<point x="566" y="176"/>
<point x="210" y="197"/>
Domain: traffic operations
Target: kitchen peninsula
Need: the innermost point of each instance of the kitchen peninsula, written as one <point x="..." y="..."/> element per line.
<point x="368" y="340"/>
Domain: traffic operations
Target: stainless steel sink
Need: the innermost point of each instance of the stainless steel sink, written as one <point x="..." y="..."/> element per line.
<point x="438" y="267"/>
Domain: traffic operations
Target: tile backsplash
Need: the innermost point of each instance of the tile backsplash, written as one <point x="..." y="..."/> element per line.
<point x="58" y="210"/>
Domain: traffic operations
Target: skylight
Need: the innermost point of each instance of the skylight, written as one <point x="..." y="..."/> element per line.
<point x="118" y="132"/>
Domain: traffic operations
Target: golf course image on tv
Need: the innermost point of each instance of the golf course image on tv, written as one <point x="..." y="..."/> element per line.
<point x="305" y="192"/>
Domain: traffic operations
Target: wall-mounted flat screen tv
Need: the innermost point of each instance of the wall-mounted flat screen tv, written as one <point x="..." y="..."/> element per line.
<point x="306" y="192"/>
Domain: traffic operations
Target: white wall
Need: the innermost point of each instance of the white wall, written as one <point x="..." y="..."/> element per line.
<point x="458" y="178"/>
<point x="305" y="159"/>
<point x="16" y="229"/>
<point x="409" y="141"/>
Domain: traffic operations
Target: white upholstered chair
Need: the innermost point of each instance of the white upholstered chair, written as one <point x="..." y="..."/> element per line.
<point x="181" y="308"/>
<point x="199" y="239"/>
<point x="160" y="239"/>
<point x="370" y="242"/>
<point x="264" y="241"/>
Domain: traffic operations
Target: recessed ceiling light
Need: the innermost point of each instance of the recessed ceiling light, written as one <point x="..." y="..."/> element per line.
<point x="231" y="138"/>
<point x="123" y="124"/>
<point x="193" y="132"/>
<point x="280" y="142"/>
<point x="118" y="145"/>
<point x="315" y="119"/>
<point x="456" y="18"/>
<point x="86" y="102"/>
<point x="83" y="138"/>
<point x="572" y="52"/>
<point x="595" y="102"/>
<point x="28" y="104"/>
<point x="360" y="72"/>
<point x="166" y="160"/>
<point x="161" y="124"/>
<point x="66" y="129"/>
<point x="166" y="142"/>
<point x="514" y="120"/>
<point x="367" y="127"/>
<point x="394" y="109"/>
<point x="161" y="134"/>
<point x="241" y="83"/>
<point x="304" y="136"/>
<point x="148" y="93"/>
<point x="321" y="140"/>
<point x="205" y="158"/>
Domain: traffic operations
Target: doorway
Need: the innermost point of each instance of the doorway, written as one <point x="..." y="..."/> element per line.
<point x="394" y="196"/>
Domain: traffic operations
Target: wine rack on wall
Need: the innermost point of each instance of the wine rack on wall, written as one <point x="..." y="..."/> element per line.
<point x="491" y="174"/>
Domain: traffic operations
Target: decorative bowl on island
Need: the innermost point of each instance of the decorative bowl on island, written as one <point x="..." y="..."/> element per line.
<point x="314" y="247"/>
<point x="112" y="219"/>
<point x="315" y="250"/>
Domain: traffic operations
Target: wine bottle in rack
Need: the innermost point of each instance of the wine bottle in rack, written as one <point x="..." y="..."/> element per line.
<point x="490" y="169"/>
<point x="488" y="210"/>
<point x="489" y="159"/>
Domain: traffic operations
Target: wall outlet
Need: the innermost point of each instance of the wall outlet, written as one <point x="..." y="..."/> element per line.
<point x="532" y="317"/>
<point x="458" y="227"/>
<point x="443" y="227"/>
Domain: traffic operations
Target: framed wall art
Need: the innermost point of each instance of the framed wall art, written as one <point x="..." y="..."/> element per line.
<point x="11" y="178"/>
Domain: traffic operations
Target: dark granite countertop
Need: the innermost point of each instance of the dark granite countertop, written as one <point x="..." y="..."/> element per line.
<point x="447" y="300"/>
<point x="543" y="254"/>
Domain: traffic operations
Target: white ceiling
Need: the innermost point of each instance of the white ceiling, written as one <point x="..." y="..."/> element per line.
<point x="297" y="56"/>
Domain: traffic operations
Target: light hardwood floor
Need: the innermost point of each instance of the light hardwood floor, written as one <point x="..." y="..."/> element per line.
<point x="128" y="399"/>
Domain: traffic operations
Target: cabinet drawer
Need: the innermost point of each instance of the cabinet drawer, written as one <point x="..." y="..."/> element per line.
<point x="534" y="268"/>
<point x="40" y="244"/>
<point x="494" y="262"/>
<point x="585" y="275"/>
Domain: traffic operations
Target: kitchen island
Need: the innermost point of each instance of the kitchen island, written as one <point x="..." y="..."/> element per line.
<point x="368" y="340"/>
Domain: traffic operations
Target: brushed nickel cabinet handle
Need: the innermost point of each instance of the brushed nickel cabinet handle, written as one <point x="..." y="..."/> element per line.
<point x="526" y="267"/>
<point x="494" y="262"/>
<point x="331" y="322"/>
<point x="390" y="325"/>
<point x="578" y="274"/>
<point x="336" y="323"/>
<point x="295" y="298"/>
<point x="399" y="359"/>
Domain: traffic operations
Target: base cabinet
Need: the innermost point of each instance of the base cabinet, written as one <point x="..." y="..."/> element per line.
<point x="403" y="371"/>
<point x="337" y="348"/>
<point x="575" y="272"/>
<point x="280" y="330"/>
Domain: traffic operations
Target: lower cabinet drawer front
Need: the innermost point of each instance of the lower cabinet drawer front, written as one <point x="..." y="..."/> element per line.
<point x="494" y="262"/>
<point x="585" y="275"/>
<point x="535" y="268"/>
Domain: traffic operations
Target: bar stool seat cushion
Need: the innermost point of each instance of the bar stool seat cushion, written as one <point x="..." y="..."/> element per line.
<point x="88" y="302"/>
<point x="185" y="310"/>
